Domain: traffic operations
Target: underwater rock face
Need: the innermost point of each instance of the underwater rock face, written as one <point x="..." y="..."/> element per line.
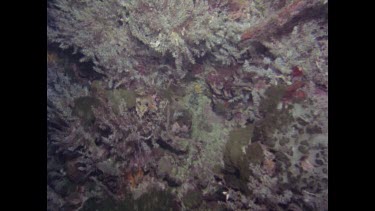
<point x="187" y="105"/>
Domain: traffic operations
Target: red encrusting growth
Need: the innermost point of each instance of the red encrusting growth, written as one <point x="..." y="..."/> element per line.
<point x="296" y="71"/>
<point x="292" y="92"/>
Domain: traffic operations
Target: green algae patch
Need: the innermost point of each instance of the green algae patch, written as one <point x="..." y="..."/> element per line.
<point x="241" y="136"/>
<point x="274" y="95"/>
<point x="220" y="109"/>
<point x="275" y="117"/>
<point x="97" y="87"/>
<point x="235" y="148"/>
<point x="172" y="92"/>
<point x="233" y="180"/>
<point x="100" y="205"/>
<point x="166" y="94"/>
<point x="192" y="199"/>
<point x="255" y="154"/>
<point x="154" y="200"/>
<point x="83" y="109"/>
<point x="238" y="155"/>
<point x="118" y="96"/>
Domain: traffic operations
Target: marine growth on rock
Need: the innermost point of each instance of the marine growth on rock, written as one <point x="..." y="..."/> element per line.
<point x="187" y="105"/>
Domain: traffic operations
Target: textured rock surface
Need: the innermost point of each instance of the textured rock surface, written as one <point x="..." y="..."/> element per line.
<point x="211" y="106"/>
